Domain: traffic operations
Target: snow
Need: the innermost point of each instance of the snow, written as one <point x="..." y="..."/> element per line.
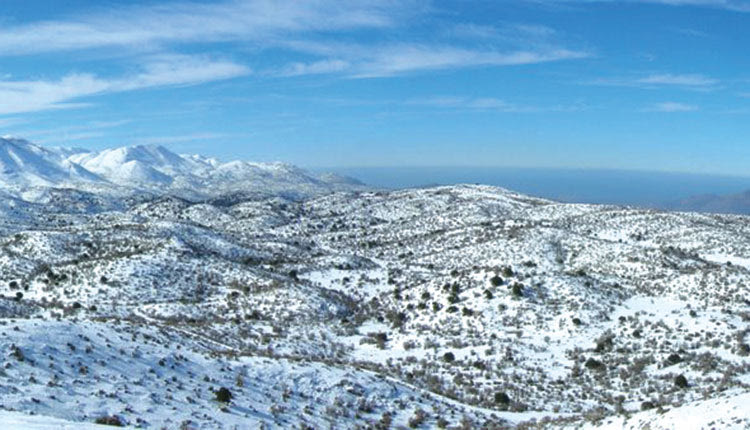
<point x="154" y="169"/>
<point x="20" y="421"/>
<point x="330" y="309"/>
<point x="724" y="259"/>
<point x="728" y="412"/>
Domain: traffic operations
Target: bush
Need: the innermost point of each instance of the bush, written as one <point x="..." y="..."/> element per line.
<point x="448" y="357"/>
<point x="502" y="398"/>
<point x="594" y="364"/>
<point x="496" y="281"/>
<point x="681" y="381"/>
<point x="418" y="418"/>
<point x="507" y="271"/>
<point x="113" y="420"/>
<point x="517" y="290"/>
<point x="223" y="395"/>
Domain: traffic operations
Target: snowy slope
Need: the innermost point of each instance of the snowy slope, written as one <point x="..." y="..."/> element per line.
<point x="460" y="307"/>
<point x="24" y="164"/>
<point x="20" y="421"/>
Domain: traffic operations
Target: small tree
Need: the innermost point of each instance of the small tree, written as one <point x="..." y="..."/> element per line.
<point x="223" y="395"/>
<point x="517" y="290"/>
<point x="681" y="381"/>
<point x="502" y="398"/>
<point x="496" y="281"/>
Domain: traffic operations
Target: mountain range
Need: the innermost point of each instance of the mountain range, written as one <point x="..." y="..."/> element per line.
<point x="25" y="165"/>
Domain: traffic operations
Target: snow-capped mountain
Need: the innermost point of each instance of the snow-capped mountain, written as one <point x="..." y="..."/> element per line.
<point x="24" y="164"/>
<point x="153" y="169"/>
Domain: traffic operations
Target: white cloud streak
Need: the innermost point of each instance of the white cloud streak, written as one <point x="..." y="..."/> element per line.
<point x="235" y="20"/>
<point x="679" y="80"/>
<point x="489" y="104"/>
<point x="661" y="80"/>
<point x="730" y="5"/>
<point x="20" y="96"/>
<point x="670" y="107"/>
<point x="399" y="59"/>
<point x="312" y="28"/>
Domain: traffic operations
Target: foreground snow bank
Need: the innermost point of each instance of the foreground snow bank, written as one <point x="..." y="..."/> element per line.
<point x="19" y="421"/>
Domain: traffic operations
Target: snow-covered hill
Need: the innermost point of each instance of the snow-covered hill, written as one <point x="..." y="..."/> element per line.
<point x="448" y="307"/>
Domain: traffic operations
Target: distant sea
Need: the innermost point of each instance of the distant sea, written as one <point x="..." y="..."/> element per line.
<point x="621" y="187"/>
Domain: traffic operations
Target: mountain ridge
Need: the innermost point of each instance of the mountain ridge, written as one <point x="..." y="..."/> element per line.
<point x="156" y="169"/>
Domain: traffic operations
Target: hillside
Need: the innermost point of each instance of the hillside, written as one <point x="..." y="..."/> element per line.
<point x="467" y="306"/>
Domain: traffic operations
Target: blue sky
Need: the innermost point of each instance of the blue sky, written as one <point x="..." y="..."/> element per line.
<point x="652" y="84"/>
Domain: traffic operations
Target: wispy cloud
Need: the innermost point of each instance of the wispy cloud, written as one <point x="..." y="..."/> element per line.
<point x="35" y="95"/>
<point x="731" y="5"/>
<point x="469" y="103"/>
<point x="315" y="67"/>
<point x="360" y="61"/>
<point x="660" y="80"/>
<point x="486" y="104"/>
<point x="392" y="60"/>
<point x="137" y="27"/>
<point x="678" y="80"/>
<point x="308" y="32"/>
<point x="670" y="107"/>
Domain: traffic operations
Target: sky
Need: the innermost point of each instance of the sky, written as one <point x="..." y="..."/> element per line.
<point x="661" y="85"/>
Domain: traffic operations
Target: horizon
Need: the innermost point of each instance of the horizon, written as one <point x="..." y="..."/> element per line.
<point x="531" y="83"/>
<point x="629" y="187"/>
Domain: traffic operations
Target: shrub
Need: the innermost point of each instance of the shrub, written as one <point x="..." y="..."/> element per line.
<point x="385" y="421"/>
<point x="673" y="359"/>
<point x="113" y="420"/>
<point x="507" y="271"/>
<point x="418" y="418"/>
<point x="594" y="364"/>
<point x="17" y="353"/>
<point x="502" y="398"/>
<point x="223" y="395"/>
<point x="681" y="381"/>
<point x="496" y="281"/>
<point x="517" y="290"/>
<point x="448" y="357"/>
<point x="605" y="342"/>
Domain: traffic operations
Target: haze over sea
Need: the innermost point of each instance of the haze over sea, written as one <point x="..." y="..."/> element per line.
<point x="622" y="187"/>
